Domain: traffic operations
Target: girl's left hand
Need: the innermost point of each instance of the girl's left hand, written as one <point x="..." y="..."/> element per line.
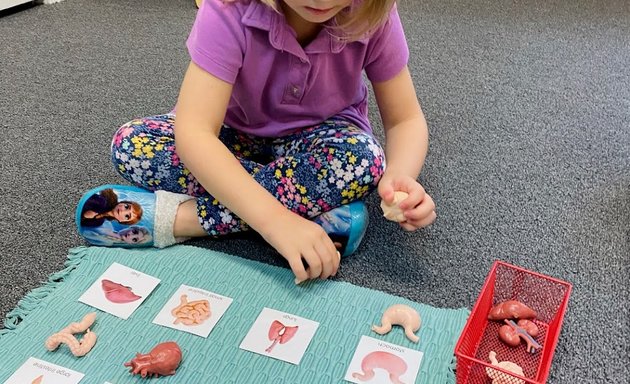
<point x="418" y="208"/>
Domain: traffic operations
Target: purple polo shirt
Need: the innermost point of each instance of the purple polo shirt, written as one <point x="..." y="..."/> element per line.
<point x="279" y="86"/>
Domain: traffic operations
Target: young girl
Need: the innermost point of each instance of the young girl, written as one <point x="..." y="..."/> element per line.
<point x="271" y="128"/>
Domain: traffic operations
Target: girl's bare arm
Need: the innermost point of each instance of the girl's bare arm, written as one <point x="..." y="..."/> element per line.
<point x="201" y="108"/>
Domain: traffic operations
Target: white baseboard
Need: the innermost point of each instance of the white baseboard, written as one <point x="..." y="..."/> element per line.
<point x="4" y="4"/>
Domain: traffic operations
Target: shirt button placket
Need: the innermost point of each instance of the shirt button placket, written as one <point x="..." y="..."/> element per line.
<point x="298" y="72"/>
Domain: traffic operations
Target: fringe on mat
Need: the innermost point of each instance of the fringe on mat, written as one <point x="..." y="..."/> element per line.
<point x="34" y="297"/>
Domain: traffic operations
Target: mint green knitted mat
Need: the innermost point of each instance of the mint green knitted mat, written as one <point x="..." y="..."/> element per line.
<point x="345" y="313"/>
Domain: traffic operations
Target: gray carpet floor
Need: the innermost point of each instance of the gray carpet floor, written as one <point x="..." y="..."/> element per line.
<point x="528" y="105"/>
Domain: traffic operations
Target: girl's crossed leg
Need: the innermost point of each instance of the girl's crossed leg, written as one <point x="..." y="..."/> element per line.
<point x="310" y="172"/>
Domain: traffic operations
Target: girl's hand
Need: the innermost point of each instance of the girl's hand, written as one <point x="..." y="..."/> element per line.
<point x="297" y="239"/>
<point x="418" y="207"/>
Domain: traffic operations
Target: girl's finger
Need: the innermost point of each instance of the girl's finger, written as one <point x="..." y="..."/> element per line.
<point x="421" y="211"/>
<point x="407" y="226"/>
<point x="314" y="263"/>
<point x="424" y="222"/>
<point x="298" y="269"/>
<point x="327" y="258"/>
<point x="416" y="196"/>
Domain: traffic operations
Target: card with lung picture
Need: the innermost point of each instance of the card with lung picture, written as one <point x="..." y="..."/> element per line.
<point x="119" y="290"/>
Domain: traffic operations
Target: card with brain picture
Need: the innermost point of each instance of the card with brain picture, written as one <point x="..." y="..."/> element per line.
<point x="193" y="310"/>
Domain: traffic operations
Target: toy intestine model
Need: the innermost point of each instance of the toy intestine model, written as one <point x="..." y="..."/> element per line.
<point x="163" y="360"/>
<point x="66" y="336"/>
<point x="400" y="314"/>
<point x="511" y="333"/>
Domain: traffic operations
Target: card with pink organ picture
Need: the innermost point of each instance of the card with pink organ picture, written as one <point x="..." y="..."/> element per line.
<point x="120" y="290"/>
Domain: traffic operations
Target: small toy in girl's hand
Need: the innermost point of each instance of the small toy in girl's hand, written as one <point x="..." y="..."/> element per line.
<point x="500" y="377"/>
<point x="511" y="309"/>
<point x="392" y="211"/>
<point x="163" y="360"/>
<point x="400" y="314"/>
<point x="66" y="336"/>
<point x="511" y="334"/>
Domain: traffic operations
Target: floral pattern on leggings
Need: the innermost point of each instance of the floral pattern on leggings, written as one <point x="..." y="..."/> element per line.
<point x="310" y="172"/>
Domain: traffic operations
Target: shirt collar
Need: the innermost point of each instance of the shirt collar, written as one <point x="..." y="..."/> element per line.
<point x="282" y="37"/>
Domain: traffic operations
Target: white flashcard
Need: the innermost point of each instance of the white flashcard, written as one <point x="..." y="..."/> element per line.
<point x="280" y="335"/>
<point x="36" y="371"/>
<point x="193" y="310"/>
<point x="120" y="290"/>
<point x="377" y="361"/>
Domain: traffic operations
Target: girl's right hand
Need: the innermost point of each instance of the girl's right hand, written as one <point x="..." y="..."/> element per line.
<point x="297" y="239"/>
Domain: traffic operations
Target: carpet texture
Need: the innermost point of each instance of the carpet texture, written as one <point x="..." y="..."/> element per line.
<point x="528" y="106"/>
<point x="344" y="311"/>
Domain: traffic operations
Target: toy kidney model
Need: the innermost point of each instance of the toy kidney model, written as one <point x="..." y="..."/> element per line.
<point x="529" y="327"/>
<point x="509" y="336"/>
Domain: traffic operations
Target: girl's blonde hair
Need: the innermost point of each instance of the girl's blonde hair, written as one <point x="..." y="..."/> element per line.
<point x="361" y="19"/>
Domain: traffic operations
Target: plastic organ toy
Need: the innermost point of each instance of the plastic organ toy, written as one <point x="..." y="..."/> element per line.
<point x="163" y="360"/>
<point x="403" y="315"/>
<point x="392" y="211"/>
<point x="511" y="334"/>
<point x="66" y="336"/>
<point x="511" y="309"/>
<point x="499" y="377"/>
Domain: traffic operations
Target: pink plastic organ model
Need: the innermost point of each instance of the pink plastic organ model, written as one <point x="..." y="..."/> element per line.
<point x="403" y="315"/>
<point x="511" y="309"/>
<point x="163" y="360"/>
<point x="66" y="336"/>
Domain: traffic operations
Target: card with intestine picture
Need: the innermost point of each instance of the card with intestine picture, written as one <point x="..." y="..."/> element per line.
<point x="193" y="310"/>
<point x="120" y="290"/>
<point x="280" y="335"/>
<point x="36" y="371"/>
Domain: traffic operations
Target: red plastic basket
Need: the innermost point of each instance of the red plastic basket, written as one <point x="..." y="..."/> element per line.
<point x="547" y="296"/>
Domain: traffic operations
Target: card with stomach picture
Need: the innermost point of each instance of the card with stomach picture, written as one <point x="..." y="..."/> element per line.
<point x="193" y="310"/>
<point x="280" y="335"/>
<point x="377" y="361"/>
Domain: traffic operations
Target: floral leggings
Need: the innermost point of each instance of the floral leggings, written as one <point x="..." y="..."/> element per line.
<point x="309" y="172"/>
